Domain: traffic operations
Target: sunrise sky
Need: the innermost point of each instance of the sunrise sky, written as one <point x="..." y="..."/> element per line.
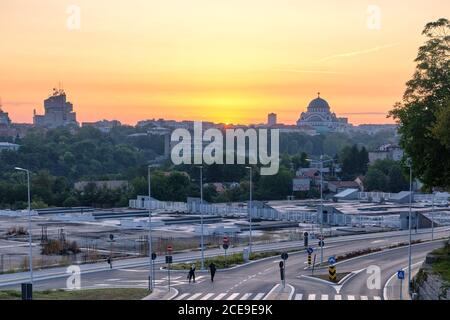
<point x="229" y="61"/>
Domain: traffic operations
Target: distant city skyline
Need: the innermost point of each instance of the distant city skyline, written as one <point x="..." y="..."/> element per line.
<point x="220" y="61"/>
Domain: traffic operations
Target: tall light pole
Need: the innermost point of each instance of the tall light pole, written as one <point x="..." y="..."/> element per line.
<point x="250" y="210"/>
<point x="29" y="225"/>
<point x="151" y="275"/>
<point x="409" y="164"/>
<point x="202" y="243"/>
<point x="432" y="219"/>
<point x="321" y="162"/>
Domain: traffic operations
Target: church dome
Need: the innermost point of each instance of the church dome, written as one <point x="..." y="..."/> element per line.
<point x="318" y="104"/>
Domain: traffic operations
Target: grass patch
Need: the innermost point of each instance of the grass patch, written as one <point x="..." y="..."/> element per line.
<point x="94" y="294"/>
<point x="442" y="264"/>
<point x="231" y="260"/>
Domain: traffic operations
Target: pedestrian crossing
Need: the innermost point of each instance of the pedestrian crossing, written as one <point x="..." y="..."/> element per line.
<point x="261" y="295"/>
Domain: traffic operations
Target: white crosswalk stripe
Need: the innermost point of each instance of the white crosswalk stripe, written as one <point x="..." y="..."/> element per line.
<point x="181" y="297"/>
<point x="313" y="296"/>
<point x="207" y="296"/>
<point x="298" y="296"/>
<point x="233" y="296"/>
<point x="245" y="296"/>
<point x="259" y="296"/>
<point x="195" y="296"/>
<point x="220" y="296"/>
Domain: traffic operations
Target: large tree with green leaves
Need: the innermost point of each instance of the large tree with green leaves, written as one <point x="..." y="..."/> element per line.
<point x="423" y="115"/>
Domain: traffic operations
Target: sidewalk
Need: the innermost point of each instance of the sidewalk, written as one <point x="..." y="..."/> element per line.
<point x="392" y="287"/>
<point x="162" y="294"/>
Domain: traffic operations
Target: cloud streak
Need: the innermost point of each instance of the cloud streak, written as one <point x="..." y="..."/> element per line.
<point x="310" y="71"/>
<point x="357" y="53"/>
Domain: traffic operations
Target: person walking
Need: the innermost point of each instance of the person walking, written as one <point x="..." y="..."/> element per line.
<point x="191" y="274"/>
<point x="212" y="270"/>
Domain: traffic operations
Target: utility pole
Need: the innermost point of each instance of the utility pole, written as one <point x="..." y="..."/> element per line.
<point x="150" y="238"/>
<point x="321" y="207"/>
<point x="409" y="227"/>
<point x="29" y="226"/>
<point x="250" y="210"/>
<point x="432" y="219"/>
<point x="321" y="162"/>
<point x="201" y="218"/>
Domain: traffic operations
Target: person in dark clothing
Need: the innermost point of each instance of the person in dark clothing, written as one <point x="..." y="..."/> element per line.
<point x="191" y="275"/>
<point x="212" y="270"/>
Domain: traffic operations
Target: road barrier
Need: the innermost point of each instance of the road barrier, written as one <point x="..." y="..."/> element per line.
<point x="332" y="275"/>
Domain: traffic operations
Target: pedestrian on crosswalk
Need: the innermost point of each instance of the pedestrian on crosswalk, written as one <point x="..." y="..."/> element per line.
<point x="212" y="270"/>
<point x="191" y="274"/>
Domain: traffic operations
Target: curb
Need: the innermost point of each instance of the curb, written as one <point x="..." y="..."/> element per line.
<point x="169" y="295"/>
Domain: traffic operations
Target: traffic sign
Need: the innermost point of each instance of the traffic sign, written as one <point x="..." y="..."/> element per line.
<point x="153" y="256"/>
<point x="111" y="237"/>
<point x="331" y="260"/>
<point x="321" y="237"/>
<point x="284" y="256"/>
<point x="169" y="248"/>
<point x="306" y="234"/>
<point x="225" y="239"/>
<point x="168" y="259"/>
<point x="225" y="246"/>
<point x="321" y="243"/>
<point x="401" y="274"/>
<point x="310" y="250"/>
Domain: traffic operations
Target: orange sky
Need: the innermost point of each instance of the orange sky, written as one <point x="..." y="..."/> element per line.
<point x="228" y="61"/>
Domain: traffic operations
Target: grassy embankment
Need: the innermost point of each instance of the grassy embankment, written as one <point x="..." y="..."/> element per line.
<point x="92" y="294"/>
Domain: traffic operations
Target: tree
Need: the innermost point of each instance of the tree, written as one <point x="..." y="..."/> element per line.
<point x="397" y="181"/>
<point x="441" y="129"/>
<point x="375" y="180"/>
<point x="422" y="115"/>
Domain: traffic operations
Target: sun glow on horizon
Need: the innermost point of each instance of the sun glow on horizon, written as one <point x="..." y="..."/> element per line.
<point x="210" y="60"/>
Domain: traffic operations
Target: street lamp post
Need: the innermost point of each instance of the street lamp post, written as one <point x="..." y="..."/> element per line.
<point x="151" y="276"/>
<point x="409" y="224"/>
<point x="202" y="243"/>
<point x="321" y="162"/>
<point x="432" y="219"/>
<point x="29" y="225"/>
<point x="250" y="210"/>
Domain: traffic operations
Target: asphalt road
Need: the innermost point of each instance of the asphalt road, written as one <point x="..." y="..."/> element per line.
<point x="255" y="280"/>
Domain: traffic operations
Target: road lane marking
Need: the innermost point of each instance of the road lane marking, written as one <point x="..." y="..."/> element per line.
<point x="350" y="297"/>
<point x="184" y="295"/>
<point x="233" y="296"/>
<point x="338" y="297"/>
<point x="364" y="298"/>
<point x="312" y="297"/>
<point x="195" y="296"/>
<point x="259" y="296"/>
<point x="245" y="296"/>
<point x="324" y="297"/>
<point x="220" y="296"/>
<point x="298" y="296"/>
<point x="207" y="296"/>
